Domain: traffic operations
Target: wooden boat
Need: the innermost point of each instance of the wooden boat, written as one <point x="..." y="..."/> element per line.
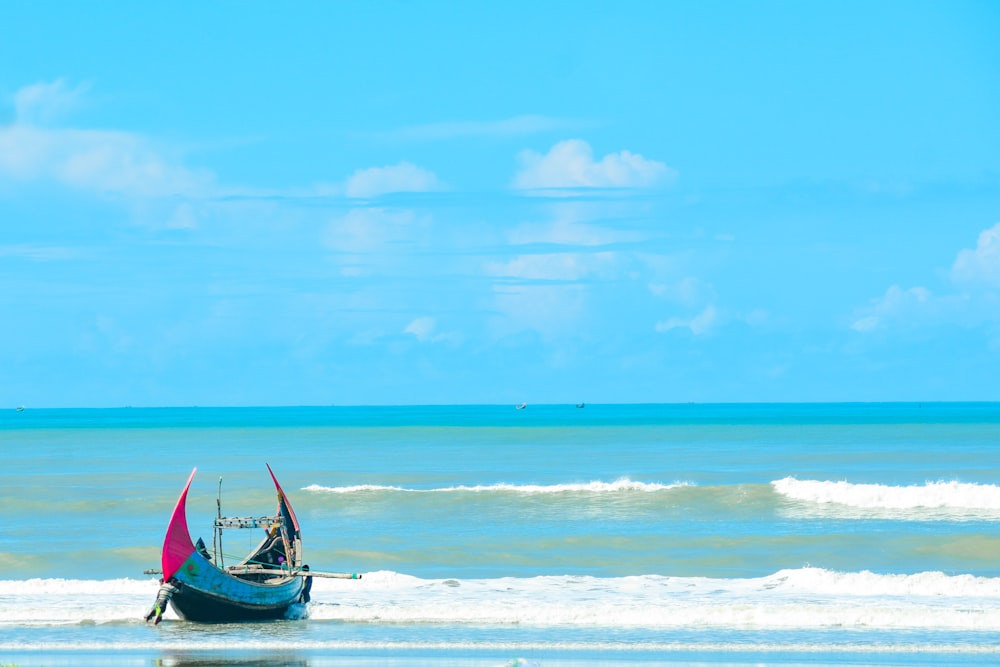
<point x="200" y="587"/>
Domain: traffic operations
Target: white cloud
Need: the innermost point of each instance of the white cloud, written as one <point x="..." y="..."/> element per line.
<point x="183" y="217"/>
<point x="100" y="161"/>
<point x="43" y="102"/>
<point x="40" y="253"/>
<point x="688" y="291"/>
<point x="866" y="323"/>
<point x="565" y="232"/>
<point x="551" y="310"/>
<point x="422" y="328"/>
<point x="893" y="188"/>
<point x="554" y="266"/>
<point x="571" y="164"/>
<point x="895" y="304"/>
<point x="916" y="307"/>
<point x="980" y="265"/>
<point x="700" y="324"/>
<point x="507" y="127"/>
<point x="403" y="177"/>
<point x="576" y="223"/>
<point x="365" y="230"/>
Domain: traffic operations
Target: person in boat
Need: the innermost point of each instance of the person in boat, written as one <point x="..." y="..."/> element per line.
<point x="273" y="555"/>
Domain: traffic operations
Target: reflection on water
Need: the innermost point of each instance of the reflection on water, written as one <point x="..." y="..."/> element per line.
<point x="189" y="660"/>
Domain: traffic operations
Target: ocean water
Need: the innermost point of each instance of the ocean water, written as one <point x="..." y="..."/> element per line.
<point x="549" y="536"/>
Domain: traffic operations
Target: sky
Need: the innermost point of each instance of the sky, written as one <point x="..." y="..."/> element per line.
<point x="396" y="203"/>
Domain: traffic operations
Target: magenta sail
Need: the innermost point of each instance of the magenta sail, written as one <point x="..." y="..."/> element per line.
<point x="177" y="545"/>
<point x="263" y="585"/>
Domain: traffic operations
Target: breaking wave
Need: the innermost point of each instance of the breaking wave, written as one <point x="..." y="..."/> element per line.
<point x="932" y="495"/>
<point x="805" y="598"/>
<point x="594" y="487"/>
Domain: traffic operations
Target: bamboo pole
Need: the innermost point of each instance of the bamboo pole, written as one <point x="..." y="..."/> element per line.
<point x="327" y="575"/>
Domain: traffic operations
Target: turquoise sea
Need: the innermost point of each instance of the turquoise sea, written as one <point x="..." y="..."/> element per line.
<point x="748" y="534"/>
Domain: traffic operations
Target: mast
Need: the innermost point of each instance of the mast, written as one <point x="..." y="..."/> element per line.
<point x="217" y="533"/>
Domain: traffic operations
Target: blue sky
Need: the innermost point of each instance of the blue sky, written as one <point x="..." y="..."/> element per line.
<point x="445" y="202"/>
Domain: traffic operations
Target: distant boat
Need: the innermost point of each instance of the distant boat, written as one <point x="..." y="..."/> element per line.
<point x="522" y="406"/>
<point x="581" y="405"/>
<point x="20" y="408"/>
<point x="262" y="586"/>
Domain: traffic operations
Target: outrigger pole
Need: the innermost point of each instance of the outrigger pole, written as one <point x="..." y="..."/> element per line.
<point x="246" y="569"/>
<point x="327" y="575"/>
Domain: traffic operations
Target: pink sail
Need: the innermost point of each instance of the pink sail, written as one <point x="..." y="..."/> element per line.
<point x="177" y="545"/>
<point x="283" y="501"/>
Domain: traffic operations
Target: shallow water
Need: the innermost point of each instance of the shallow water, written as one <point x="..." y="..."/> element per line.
<point x="695" y="534"/>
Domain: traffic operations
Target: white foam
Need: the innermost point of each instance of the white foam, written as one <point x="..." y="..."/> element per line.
<point x="952" y="496"/>
<point x="75" y="601"/>
<point x="869" y="584"/>
<point x="359" y="488"/>
<point x="807" y="598"/>
<point x="57" y="587"/>
<point x="621" y="485"/>
<point x="208" y="644"/>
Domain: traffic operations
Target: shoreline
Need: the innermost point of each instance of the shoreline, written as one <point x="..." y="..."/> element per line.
<point x="513" y="655"/>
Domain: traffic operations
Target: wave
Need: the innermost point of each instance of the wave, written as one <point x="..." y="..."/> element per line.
<point x="792" y="599"/>
<point x="806" y="598"/>
<point x="961" y="496"/>
<point x="621" y="485"/>
<point x="40" y="602"/>
<point x="84" y="587"/>
<point x="802" y="499"/>
<point x="931" y="495"/>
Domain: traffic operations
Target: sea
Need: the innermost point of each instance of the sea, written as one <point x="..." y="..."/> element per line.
<point x="553" y="535"/>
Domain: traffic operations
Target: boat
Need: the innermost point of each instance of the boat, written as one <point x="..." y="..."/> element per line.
<point x="263" y="585"/>
<point x="522" y="406"/>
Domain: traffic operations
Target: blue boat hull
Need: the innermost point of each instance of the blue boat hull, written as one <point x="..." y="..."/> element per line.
<point x="207" y="594"/>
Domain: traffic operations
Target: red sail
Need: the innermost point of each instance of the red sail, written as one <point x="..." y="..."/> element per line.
<point x="177" y="545"/>
<point x="283" y="502"/>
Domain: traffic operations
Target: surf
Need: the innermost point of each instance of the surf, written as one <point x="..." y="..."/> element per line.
<point x="939" y="499"/>
<point x="620" y="485"/>
<point x="801" y="598"/>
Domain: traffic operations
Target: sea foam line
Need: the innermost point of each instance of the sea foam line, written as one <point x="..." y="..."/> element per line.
<point x="84" y="587"/>
<point x="931" y="495"/>
<point x="621" y="485"/>
<point x="810" y="598"/>
<point x="625" y="647"/>
<point x="809" y="580"/>
<point x="805" y="598"/>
